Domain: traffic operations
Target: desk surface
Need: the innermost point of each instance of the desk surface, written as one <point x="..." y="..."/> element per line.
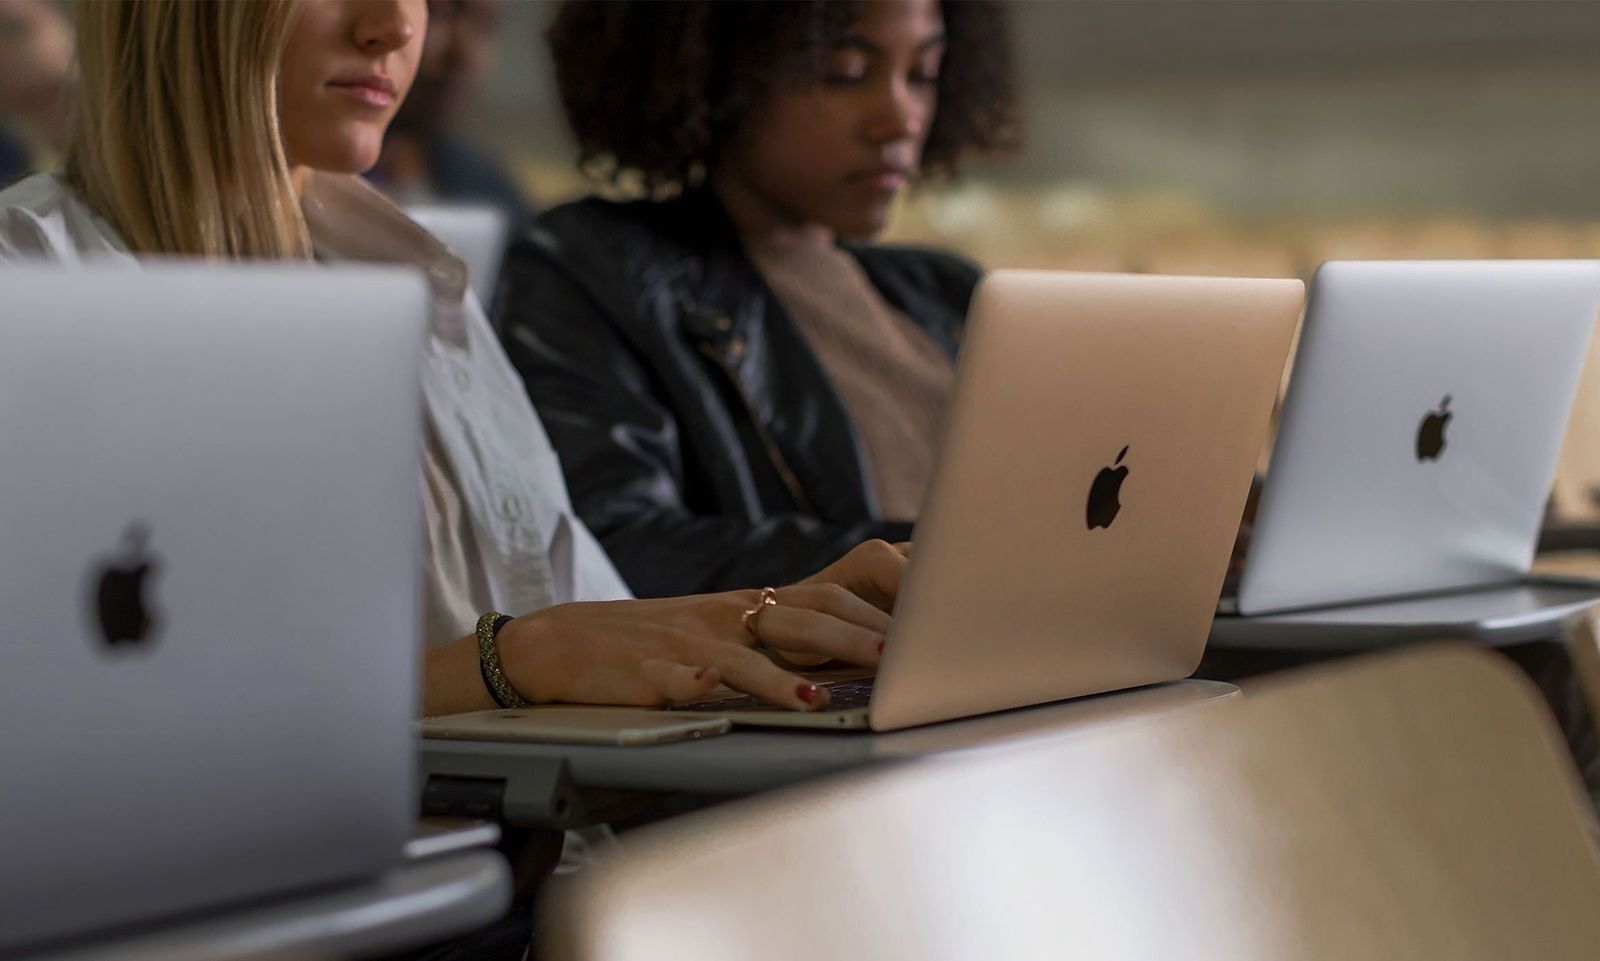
<point x="414" y="904"/>
<point x="750" y="760"/>
<point x="1512" y="614"/>
<point x="1569" y="563"/>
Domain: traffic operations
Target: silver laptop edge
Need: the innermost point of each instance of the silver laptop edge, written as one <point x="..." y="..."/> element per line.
<point x="1420" y="429"/>
<point x="210" y="501"/>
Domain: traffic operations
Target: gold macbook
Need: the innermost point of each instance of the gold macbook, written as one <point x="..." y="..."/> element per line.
<point x="1096" y="456"/>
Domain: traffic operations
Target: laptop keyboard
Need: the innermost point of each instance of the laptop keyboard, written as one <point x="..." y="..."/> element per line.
<point x="842" y="696"/>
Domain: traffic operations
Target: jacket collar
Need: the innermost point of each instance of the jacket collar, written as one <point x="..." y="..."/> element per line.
<point x="734" y="317"/>
<point x="729" y="294"/>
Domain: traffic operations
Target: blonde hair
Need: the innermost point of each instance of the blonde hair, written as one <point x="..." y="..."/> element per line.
<point x="176" y="139"/>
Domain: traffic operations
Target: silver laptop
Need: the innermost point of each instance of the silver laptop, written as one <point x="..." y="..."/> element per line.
<point x="1419" y="434"/>
<point x="475" y="234"/>
<point x="1095" y="461"/>
<point x="209" y="586"/>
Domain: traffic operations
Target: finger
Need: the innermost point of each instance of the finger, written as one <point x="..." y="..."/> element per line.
<point x="813" y="632"/>
<point x="904" y="547"/>
<point x="679" y="683"/>
<point x="751" y="672"/>
<point x="875" y="568"/>
<point x="794" y="659"/>
<point x="837" y="601"/>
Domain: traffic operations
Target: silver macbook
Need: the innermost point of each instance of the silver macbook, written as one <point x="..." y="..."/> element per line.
<point x="1095" y="461"/>
<point x="209" y="586"/>
<point x="475" y="234"/>
<point x="1420" y="432"/>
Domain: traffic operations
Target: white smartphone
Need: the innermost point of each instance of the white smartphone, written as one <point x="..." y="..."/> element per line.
<point x="576" y="724"/>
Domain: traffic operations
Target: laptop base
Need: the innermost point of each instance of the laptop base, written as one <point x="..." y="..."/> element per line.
<point x="413" y="904"/>
<point x="1529" y="610"/>
<point x="850" y="691"/>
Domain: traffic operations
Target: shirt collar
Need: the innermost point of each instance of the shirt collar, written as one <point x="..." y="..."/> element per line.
<point x="350" y="220"/>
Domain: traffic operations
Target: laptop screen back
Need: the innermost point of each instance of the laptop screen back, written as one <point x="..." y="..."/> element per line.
<point x="1095" y="464"/>
<point x="1420" y="430"/>
<point x="209" y="497"/>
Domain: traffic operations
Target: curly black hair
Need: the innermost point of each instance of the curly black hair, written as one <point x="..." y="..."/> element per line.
<point x="653" y="89"/>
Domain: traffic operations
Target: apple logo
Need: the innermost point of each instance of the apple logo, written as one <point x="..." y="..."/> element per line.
<point x="1430" y="436"/>
<point x="1103" y="505"/>
<point x="120" y="608"/>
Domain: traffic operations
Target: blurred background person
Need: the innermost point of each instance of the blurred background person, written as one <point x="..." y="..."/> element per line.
<point x="1231" y="137"/>
<point x="737" y="382"/>
<point x="36" y="64"/>
<point x="425" y="159"/>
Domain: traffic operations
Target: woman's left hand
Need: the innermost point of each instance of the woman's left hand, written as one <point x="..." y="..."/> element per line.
<point x="863" y="584"/>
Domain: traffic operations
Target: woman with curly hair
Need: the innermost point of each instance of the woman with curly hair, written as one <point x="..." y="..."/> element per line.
<point x="737" y="382"/>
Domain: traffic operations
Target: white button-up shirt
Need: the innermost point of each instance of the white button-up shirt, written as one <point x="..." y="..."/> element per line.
<point x="501" y="534"/>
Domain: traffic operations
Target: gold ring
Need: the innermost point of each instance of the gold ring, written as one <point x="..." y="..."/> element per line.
<point x="768" y="598"/>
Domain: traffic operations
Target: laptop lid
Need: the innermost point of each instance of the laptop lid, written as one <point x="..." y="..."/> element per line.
<point x="1096" y="458"/>
<point x="476" y="234"/>
<point x="1575" y="496"/>
<point x="1420" y="430"/>
<point x="209" y="501"/>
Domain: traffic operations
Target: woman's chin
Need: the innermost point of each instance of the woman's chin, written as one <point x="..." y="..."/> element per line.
<point x="864" y="226"/>
<point x="353" y="156"/>
<point x="359" y="162"/>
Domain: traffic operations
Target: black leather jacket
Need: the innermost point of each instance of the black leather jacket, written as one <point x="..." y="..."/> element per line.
<point x="701" y="440"/>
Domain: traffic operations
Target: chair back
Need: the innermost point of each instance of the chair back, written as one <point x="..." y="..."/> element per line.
<point x="1407" y="805"/>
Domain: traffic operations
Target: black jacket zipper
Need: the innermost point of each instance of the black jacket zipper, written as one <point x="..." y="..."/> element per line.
<point x="775" y="455"/>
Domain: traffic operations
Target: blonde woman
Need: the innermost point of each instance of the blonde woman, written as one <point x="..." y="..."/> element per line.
<point x="235" y="131"/>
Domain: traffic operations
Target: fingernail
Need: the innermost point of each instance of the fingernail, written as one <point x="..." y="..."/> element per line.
<point x="807" y="693"/>
<point x="701" y="673"/>
<point x="880" y="647"/>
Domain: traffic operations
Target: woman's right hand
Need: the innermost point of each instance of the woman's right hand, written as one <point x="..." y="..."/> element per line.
<point x="673" y="650"/>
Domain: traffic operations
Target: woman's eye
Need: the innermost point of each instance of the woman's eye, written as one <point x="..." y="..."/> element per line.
<point x="846" y="67"/>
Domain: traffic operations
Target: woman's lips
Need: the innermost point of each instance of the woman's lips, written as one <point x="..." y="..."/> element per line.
<point x="887" y="180"/>
<point x="374" y="91"/>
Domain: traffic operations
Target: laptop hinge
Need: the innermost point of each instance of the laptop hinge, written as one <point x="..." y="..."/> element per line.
<point x="532" y="795"/>
<point x="481" y="798"/>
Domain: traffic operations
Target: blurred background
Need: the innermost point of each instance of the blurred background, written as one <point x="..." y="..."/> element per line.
<point x="1196" y="136"/>
<point x="1215" y="136"/>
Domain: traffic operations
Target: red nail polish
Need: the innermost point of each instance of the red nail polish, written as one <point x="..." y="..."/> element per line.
<point x="880" y="647"/>
<point x="807" y="692"/>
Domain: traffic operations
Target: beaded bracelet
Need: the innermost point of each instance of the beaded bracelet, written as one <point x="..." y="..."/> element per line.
<point x="489" y="662"/>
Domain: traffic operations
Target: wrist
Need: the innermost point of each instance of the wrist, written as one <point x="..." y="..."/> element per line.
<point x="519" y="646"/>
